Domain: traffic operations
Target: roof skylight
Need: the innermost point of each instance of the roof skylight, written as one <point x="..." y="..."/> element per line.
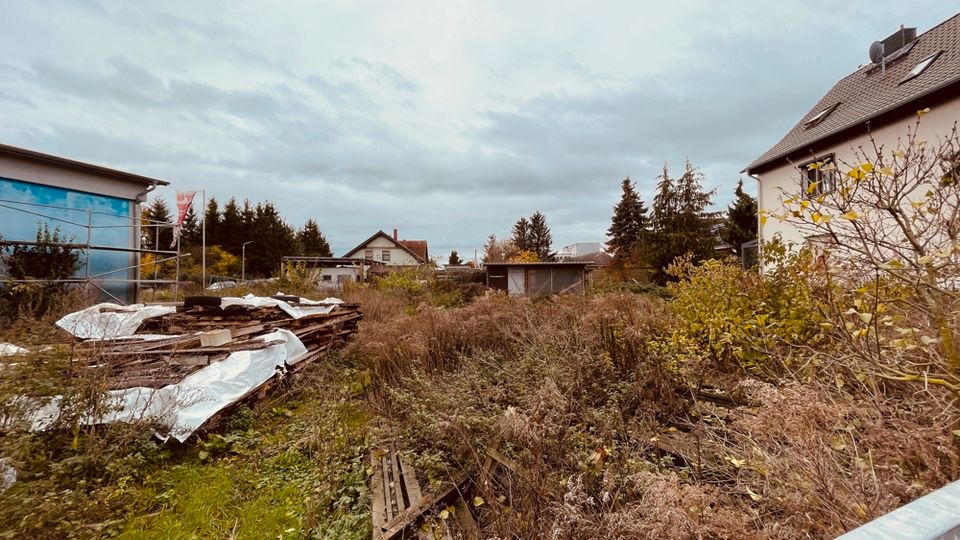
<point x="820" y="116"/>
<point x="920" y="67"/>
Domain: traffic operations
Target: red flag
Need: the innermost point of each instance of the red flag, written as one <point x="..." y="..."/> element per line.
<point x="184" y="202"/>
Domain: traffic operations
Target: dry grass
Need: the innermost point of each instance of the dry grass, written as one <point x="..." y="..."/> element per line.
<point x="572" y="391"/>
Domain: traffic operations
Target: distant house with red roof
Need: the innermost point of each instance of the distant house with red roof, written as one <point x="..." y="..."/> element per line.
<point x="391" y="251"/>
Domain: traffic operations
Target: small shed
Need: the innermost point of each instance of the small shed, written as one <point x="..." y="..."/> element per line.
<point x="537" y="278"/>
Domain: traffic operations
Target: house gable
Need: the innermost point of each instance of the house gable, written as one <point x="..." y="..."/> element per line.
<point x="381" y="243"/>
<point x="875" y="94"/>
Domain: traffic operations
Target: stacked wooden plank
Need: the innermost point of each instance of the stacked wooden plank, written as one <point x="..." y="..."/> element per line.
<point x="202" y="335"/>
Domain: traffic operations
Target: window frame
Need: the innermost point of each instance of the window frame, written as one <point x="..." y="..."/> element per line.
<point x="368" y="254"/>
<point x="818" y="118"/>
<point x="920" y="67"/>
<point x="826" y="179"/>
<point x="385" y="255"/>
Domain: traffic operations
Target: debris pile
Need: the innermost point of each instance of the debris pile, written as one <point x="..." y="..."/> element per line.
<point x="177" y="367"/>
<point x="167" y="348"/>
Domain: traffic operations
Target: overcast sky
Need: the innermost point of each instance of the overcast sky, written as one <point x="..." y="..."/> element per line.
<point x="446" y="119"/>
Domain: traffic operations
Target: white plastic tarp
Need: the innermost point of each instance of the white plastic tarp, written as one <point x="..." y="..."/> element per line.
<point x="9" y="349"/>
<point x="306" y="307"/>
<point x="106" y="321"/>
<point x="183" y="407"/>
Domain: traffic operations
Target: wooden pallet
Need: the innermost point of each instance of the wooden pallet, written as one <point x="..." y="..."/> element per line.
<point x="399" y="506"/>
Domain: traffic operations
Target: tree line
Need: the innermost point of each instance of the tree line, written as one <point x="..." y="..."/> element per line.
<point x="227" y="229"/>
<point x="679" y="223"/>
<point x="530" y="241"/>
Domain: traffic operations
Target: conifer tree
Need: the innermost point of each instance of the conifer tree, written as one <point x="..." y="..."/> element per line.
<point x="628" y="228"/>
<point x="275" y="239"/>
<point x="211" y="221"/>
<point x="540" y="237"/>
<point x="230" y="231"/>
<point x="681" y="223"/>
<point x="190" y="233"/>
<point x="521" y="234"/>
<point x="157" y="235"/>
<point x="740" y="225"/>
<point x="312" y="241"/>
<point x="454" y="258"/>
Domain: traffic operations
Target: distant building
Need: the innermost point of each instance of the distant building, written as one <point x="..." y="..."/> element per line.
<point x="96" y="209"/>
<point x="579" y="249"/>
<point x="334" y="272"/>
<point x="390" y="250"/>
<point x="597" y="258"/>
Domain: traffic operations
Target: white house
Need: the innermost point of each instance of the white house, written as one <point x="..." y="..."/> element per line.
<point x="391" y="251"/>
<point x="907" y="74"/>
<point x="578" y="249"/>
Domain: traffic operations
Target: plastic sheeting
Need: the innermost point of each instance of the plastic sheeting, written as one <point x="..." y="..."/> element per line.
<point x="306" y="307"/>
<point x="8" y="474"/>
<point x="106" y="321"/>
<point x="183" y="407"/>
<point x="9" y="349"/>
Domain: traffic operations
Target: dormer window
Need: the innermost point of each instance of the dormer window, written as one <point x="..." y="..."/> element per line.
<point x="921" y="67"/>
<point x="820" y="116"/>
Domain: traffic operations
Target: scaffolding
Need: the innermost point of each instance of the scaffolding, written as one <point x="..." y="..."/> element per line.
<point x="136" y="225"/>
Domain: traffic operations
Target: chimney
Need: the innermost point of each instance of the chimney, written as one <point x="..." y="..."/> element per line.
<point x="394" y="233"/>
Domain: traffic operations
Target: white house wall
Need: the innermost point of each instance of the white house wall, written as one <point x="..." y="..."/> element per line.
<point x="938" y="123"/>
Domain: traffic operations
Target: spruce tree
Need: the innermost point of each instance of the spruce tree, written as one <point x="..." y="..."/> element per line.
<point x="190" y="233"/>
<point x="230" y="232"/>
<point x="540" y="237"/>
<point x="628" y="228"/>
<point x="740" y="225"/>
<point x="211" y="222"/>
<point x="158" y="235"/>
<point x="454" y="259"/>
<point x="275" y="239"/>
<point x="681" y="222"/>
<point x="312" y="241"/>
<point x="521" y="234"/>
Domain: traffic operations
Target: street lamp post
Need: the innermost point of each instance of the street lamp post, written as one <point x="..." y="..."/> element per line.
<point x="243" y="261"/>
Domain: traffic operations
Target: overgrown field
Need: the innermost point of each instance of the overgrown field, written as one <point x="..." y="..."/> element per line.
<point x="741" y="407"/>
<point x="728" y="406"/>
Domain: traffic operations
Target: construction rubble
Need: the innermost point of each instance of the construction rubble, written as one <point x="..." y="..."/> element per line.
<point x="179" y="366"/>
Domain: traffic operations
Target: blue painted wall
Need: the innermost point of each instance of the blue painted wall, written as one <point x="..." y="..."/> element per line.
<point x="112" y="220"/>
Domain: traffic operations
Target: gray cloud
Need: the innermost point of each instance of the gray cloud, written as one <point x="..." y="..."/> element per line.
<point x="449" y="126"/>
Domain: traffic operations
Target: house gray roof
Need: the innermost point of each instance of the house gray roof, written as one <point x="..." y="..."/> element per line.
<point x="58" y="161"/>
<point x="871" y="92"/>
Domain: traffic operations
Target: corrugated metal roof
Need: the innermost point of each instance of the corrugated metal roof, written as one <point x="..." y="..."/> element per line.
<point x="871" y="91"/>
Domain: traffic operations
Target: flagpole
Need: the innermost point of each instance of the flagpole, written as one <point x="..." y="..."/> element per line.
<point x="203" y="260"/>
